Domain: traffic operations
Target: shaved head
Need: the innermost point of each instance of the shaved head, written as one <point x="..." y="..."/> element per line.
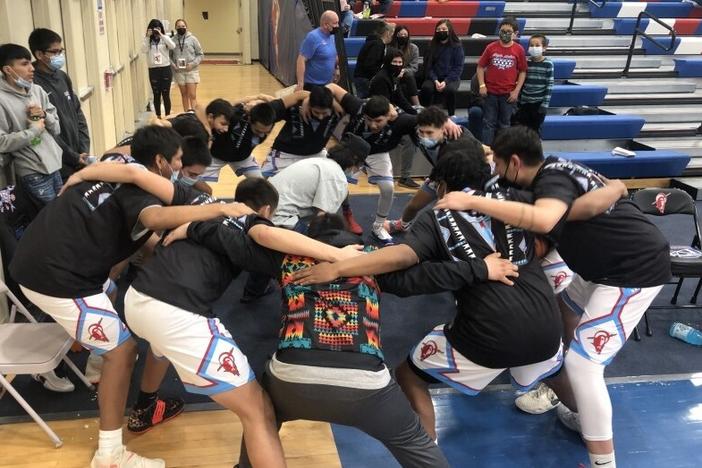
<point x="329" y="20"/>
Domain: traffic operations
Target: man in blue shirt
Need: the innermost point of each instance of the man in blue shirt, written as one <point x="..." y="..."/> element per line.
<point x="317" y="61"/>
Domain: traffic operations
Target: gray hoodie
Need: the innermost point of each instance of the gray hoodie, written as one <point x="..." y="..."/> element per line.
<point x="16" y="136"/>
<point x="187" y="48"/>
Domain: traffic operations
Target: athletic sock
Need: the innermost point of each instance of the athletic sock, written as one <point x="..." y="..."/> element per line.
<point x="145" y="400"/>
<point x="606" y="460"/>
<point x="379" y="220"/>
<point x="108" y="441"/>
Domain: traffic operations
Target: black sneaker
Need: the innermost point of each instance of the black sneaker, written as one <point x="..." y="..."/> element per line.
<point x="408" y="183"/>
<point x="141" y="420"/>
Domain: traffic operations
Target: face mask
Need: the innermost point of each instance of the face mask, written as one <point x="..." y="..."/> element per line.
<point x="189" y="181"/>
<point x="22" y="83"/>
<point x="395" y="69"/>
<point x="402" y="41"/>
<point x="505" y="37"/>
<point x="255" y="140"/>
<point x="57" y="62"/>
<point x="441" y="35"/>
<point x="181" y="31"/>
<point x="174" y="176"/>
<point x="334" y="30"/>
<point x="428" y="143"/>
<point x="536" y="52"/>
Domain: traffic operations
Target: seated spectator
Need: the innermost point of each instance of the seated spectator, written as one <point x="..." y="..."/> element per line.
<point x="387" y="81"/>
<point x="370" y="58"/>
<point x="346" y="17"/>
<point x="410" y="55"/>
<point x="443" y="66"/>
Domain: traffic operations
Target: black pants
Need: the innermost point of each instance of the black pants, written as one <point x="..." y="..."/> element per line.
<point x="530" y="115"/>
<point x="429" y="95"/>
<point x="384" y="414"/>
<point x="160" y="79"/>
<point x="408" y="83"/>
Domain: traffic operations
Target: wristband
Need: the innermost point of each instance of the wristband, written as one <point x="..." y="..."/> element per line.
<point x="483" y="86"/>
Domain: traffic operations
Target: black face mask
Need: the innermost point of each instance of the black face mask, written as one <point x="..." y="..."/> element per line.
<point x="155" y="37"/>
<point x="395" y="70"/>
<point x="441" y="35"/>
<point x="402" y="41"/>
<point x="181" y="31"/>
<point x="335" y="30"/>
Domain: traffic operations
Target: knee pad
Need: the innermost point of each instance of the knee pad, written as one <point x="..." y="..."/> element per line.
<point x="594" y="406"/>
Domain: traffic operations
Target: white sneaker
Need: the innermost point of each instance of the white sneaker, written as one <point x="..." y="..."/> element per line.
<point x="123" y="458"/>
<point x="53" y="382"/>
<point x="537" y="400"/>
<point x="568" y="418"/>
<point x="93" y="369"/>
<point x="381" y="234"/>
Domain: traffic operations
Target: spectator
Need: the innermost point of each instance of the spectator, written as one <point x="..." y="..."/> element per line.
<point x="501" y="74"/>
<point x="157" y="47"/>
<point x="387" y="81"/>
<point x="185" y="60"/>
<point x="370" y="58"/>
<point x="28" y="123"/>
<point x="475" y="109"/>
<point x="410" y="53"/>
<point x="317" y="62"/>
<point x="74" y="138"/>
<point x="346" y="17"/>
<point x="536" y="92"/>
<point x="443" y="66"/>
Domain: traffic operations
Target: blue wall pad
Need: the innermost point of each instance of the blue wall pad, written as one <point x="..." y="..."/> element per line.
<point x="577" y="95"/>
<point x="689" y="68"/>
<point x="660" y="163"/>
<point x="655" y="424"/>
<point x="661" y="10"/>
<point x="579" y="127"/>
<point x="652" y="49"/>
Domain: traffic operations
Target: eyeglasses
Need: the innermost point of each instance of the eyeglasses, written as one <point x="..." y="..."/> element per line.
<point x="55" y="51"/>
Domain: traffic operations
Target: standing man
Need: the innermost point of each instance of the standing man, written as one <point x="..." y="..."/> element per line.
<point x="74" y="139"/>
<point x="317" y="63"/>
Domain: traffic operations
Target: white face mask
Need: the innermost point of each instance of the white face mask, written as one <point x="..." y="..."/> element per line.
<point x="536" y="52"/>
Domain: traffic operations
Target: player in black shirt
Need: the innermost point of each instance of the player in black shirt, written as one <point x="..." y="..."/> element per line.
<point x="250" y="124"/>
<point x="302" y="138"/>
<point x="620" y="258"/>
<point x="513" y="325"/>
<point x="377" y="122"/>
<point x="93" y="226"/>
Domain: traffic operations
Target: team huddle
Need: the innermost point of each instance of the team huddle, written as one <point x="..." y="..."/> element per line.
<point x="550" y="264"/>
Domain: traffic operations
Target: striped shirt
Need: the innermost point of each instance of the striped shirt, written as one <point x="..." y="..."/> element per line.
<point x="538" y="84"/>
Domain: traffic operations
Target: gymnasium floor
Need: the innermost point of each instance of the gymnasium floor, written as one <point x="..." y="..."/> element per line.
<point x="657" y="423"/>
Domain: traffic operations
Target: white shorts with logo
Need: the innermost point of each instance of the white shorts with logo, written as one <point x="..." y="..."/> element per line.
<point x="435" y="356"/>
<point x="608" y="315"/>
<point x="203" y="352"/>
<point x="557" y="272"/>
<point x="92" y="321"/>
<point x="378" y="167"/>
<point x="247" y="167"/>
<point x="276" y="161"/>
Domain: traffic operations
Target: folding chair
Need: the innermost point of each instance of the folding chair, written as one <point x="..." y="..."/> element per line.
<point x="685" y="260"/>
<point x="32" y="348"/>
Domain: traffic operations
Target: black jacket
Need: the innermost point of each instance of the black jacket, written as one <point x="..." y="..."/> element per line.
<point x="74" y="138"/>
<point x="383" y="84"/>
<point x="370" y="58"/>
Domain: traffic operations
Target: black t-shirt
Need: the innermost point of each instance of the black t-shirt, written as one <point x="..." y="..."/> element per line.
<point x="76" y="239"/>
<point x="619" y="248"/>
<point x="497" y="326"/>
<point x="192" y="277"/>
<point x="299" y="137"/>
<point x="388" y="137"/>
<point x="239" y="141"/>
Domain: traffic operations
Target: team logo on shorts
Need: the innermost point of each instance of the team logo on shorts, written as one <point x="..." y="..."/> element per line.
<point x="227" y="364"/>
<point x="429" y="348"/>
<point x="661" y="200"/>
<point x="600" y="339"/>
<point x="96" y="332"/>
<point x="559" y="278"/>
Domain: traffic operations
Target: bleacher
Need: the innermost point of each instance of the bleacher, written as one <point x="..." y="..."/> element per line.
<point x="655" y="109"/>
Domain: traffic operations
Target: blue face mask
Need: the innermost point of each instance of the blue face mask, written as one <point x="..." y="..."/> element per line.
<point x="57" y="62"/>
<point x="174" y="176"/>
<point x="189" y="181"/>
<point x="428" y="143"/>
<point x="22" y="83"/>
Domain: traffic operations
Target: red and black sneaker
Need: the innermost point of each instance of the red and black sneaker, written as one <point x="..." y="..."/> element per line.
<point x="141" y="420"/>
<point x="353" y="226"/>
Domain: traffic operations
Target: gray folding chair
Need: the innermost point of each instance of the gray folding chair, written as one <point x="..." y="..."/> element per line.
<point x="32" y="348"/>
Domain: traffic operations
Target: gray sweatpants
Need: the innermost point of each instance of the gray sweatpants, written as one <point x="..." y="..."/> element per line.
<point x="384" y="414"/>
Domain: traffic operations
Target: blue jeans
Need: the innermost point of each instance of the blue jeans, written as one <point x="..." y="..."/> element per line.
<point x="475" y="122"/>
<point x="497" y="114"/>
<point x="347" y="21"/>
<point x="43" y="187"/>
<point x="362" y="86"/>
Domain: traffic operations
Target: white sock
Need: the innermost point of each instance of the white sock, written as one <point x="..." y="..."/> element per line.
<point x="108" y="441"/>
<point x="607" y="460"/>
<point x="379" y="220"/>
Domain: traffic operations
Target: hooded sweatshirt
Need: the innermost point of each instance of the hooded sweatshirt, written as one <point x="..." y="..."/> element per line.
<point x="187" y="48"/>
<point x="370" y="58"/>
<point x="16" y="136"/>
<point x="75" y="137"/>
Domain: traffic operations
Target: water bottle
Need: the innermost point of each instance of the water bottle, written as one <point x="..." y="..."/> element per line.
<point x="36" y="140"/>
<point x="366" y="10"/>
<point x="686" y="333"/>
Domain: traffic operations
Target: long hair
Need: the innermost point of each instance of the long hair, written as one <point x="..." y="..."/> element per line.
<point x="453" y="41"/>
<point x="156" y="24"/>
<point x="394" y="43"/>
